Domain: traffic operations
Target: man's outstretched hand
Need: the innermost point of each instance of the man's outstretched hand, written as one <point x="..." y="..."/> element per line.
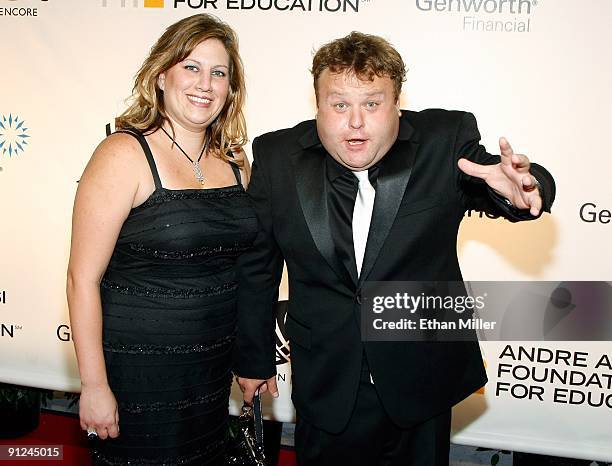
<point x="510" y="178"/>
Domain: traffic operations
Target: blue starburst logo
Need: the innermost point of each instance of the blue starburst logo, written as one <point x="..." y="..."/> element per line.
<point x="13" y="135"/>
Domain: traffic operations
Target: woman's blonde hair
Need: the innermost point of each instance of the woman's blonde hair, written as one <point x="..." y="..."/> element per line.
<point x="146" y="111"/>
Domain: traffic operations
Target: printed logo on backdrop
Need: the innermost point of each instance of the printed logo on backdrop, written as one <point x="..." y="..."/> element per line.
<point x="504" y="16"/>
<point x="134" y="3"/>
<point x="282" y="342"/>
<point x="13" y="135"/>
<point x="591" y="212"/>
<point x="574" y="311"/>
<point x="20" y="8"/>
<point x="325" y="6"/>
<point x="7" y="330"/>
<point x="63" y="333"/>
<point x="480" y="214"/>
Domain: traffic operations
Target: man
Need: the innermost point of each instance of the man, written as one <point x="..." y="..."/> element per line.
<point x="368" y="403"/>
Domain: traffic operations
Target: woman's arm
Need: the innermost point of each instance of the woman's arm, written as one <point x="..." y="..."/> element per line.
<point x="106" y="193"/>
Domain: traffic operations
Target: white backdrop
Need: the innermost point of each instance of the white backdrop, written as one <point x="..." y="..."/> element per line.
<point x="542" y="79"/>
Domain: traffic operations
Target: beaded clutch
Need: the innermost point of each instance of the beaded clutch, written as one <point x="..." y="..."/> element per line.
<point x="245" y="446"/>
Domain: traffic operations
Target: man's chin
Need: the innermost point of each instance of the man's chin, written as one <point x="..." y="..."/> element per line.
<point x="356" y="161"/>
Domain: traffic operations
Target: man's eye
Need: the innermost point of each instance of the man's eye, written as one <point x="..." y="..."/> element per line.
<point x="340" y="106"/>
<point x="372" y="104"/>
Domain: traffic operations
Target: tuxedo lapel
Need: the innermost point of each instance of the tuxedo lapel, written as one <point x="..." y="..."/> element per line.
<point x="309" y="170"/>
<point x="395" y="171"/>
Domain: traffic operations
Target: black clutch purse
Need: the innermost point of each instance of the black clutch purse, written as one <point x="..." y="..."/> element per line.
<point x="245" y="445"/>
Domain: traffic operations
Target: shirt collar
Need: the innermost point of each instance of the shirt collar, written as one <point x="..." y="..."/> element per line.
<point x="334" y="169"/>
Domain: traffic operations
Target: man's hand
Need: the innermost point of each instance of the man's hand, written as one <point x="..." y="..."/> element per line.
<point x="250" y="386"/>
<point x="510" y="178"/>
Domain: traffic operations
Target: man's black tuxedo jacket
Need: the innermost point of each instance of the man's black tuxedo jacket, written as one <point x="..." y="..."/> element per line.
<point x="421" y="197"/>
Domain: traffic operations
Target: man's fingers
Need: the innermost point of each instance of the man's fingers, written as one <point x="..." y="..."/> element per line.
<point x="249" y="386"/>
<point x="505" y="148"/>
<point x="531" y="196"/>
<point x="474" y="169"/>
<point x="247" y="395"/>
<point x="529" y="183"/>
<point x="521" y="162"/>
<point x="271" y="383"/>
<point x="535" y="204"/>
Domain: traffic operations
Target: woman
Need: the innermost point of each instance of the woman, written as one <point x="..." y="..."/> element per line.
<point x="160" y="217"/>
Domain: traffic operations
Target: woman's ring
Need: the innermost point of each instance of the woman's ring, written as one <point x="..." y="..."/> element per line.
<point x="91" y="433"/>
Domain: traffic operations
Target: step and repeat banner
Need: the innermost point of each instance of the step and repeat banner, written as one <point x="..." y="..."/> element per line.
<point x="535" y="71"/>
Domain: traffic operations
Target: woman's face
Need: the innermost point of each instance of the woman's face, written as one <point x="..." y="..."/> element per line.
<point x="195" y="89"/>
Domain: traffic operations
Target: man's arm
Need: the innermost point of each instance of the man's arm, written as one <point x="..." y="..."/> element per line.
<point x="259" y="275"/>
<point x="517" y="188"/>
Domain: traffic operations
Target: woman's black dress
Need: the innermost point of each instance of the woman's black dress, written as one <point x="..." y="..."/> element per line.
<point x="168" y="299"/>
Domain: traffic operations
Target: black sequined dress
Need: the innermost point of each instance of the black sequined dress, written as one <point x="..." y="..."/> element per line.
<point x="168" y="299"/>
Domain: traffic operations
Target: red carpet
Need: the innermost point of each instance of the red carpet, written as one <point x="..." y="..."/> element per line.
<point x="57" y="429"/>
<point x="286" y="458"/>
<point x="54" y="429"/>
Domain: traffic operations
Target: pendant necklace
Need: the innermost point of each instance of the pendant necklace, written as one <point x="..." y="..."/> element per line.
<point x="195" y="164"/>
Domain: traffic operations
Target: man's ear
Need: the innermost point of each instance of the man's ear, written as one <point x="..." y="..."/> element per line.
<point x="397" y="106"/>
<point x="161" y="81"/>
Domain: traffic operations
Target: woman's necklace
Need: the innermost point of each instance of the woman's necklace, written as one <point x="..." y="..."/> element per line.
<point x="195" y="164"/>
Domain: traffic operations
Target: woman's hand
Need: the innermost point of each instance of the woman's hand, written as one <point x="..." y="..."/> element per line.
<point x="98" y="410"/>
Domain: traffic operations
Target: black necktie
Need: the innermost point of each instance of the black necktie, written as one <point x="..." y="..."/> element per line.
<point x="341" y="202"/>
